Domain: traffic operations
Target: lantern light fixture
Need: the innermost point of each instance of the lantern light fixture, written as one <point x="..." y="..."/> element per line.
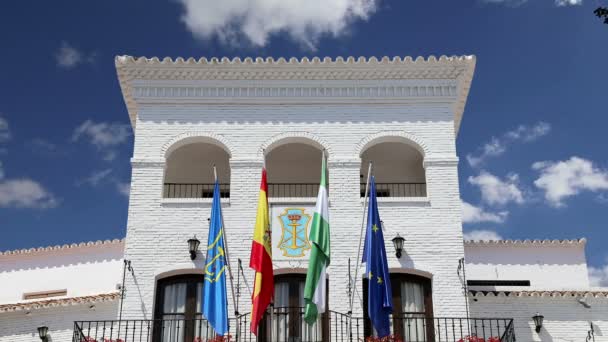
<point x="193" y="247"/>
<point x="538" y="321"/>
<point x="398" y="244"/>
<point x="43" y="333"/>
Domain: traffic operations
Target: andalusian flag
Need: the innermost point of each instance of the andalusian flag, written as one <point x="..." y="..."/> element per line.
<point x="315" y="289"/>
<point x="261" y="259"/>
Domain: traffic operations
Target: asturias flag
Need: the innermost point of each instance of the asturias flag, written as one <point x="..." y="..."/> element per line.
<point x="261" y="259"/>
<point x="215" y="297"/>
<point x="379" y="295"/>
<point x="315" y="289"/>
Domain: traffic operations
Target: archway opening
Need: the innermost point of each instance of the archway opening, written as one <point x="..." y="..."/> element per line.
<point x="189" y="171"/>
<point x="398" y="169"/>
<point x="294" y="170"/>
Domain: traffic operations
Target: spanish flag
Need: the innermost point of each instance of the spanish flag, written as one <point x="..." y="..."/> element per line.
<point x="261" y="259"/>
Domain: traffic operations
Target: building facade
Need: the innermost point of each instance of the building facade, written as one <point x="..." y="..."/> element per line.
<point x="403" y="116"/>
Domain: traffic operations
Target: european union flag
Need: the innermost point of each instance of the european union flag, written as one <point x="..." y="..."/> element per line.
<point x="215" y="297"/>
<point x="379" y="295"/>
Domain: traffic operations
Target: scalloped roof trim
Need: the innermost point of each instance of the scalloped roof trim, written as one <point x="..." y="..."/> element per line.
<point x="69" y="301"/>
<point x="541" y="293"/>
<point x="62" y="247"/>
<point x="527" y="242"/>
<point x="125" y="59"/>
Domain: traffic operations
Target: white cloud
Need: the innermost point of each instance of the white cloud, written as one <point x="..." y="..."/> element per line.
<point x="124" y="188"/>
<point x="598" y="276"/>
<point x="563" y="179"/>
<point x="103" y="135"/>
<point x="568" y="2"/>
<point x="95" y="178"/>
<point x="25" y="193"/>
<point x="473" y="214"/>
<point x="497" y="146"/>
<point x="305" y="21"/>
<point x="68" y="57"/>
<point x="482" y="235"/>
<point x="496" y="191"/>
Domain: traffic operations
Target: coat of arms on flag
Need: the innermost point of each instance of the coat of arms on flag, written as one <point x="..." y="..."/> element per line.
<point x="294" y="232"/>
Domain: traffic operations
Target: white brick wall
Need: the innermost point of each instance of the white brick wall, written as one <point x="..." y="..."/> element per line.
<point x="63" y="268"/>
<point x="565" y="318"/>
<point x="157" y="231"/>
<point x="544" y="265"/>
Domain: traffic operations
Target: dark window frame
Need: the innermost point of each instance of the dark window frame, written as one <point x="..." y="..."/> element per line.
<point x="294" y="280"/>
<point x="396" y="280"/>
<point x="190" y="314"/>
<point x="475" y="282"/>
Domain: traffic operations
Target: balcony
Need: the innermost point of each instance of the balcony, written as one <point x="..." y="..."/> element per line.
<point x="283" y="190"/>
<point x="287" y="325"/>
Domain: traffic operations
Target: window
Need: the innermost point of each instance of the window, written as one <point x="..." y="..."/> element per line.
<point x="179" y="306"/>
<point x="294" y="170"/>
<point x="189" y="171"/>
<point x="412" y="307"/>
<point x="286" y="321"/>
<point x="398" y="170"/>
<point x="45" y="294"/>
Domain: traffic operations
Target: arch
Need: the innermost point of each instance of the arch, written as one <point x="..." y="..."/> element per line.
<point x="177" y="269"/>
<point x="195" y="137"/>
<point x="392" y="136"/>
<point x="412" y="271"/>
<point x="289" y="270"/>
<point x="294" y="137"/>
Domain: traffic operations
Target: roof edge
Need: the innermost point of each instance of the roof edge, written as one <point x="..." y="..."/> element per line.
<point x="186" y="68"/>
<point x="600" y="293"/>
<point x="62" y="247"/>
<point x="126" y="59"/>
<point x="526" y="242"/>
<point x="68" y="301"/>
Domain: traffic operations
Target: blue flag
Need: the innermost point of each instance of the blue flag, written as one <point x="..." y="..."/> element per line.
<point x="379" y="295"/>
<point x="215" y="297"/>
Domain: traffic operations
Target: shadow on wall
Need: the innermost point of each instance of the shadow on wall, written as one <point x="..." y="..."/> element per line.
<point x="142" y="302"/>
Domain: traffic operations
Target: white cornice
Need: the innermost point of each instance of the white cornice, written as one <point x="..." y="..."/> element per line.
<point x="542" y="293"/>
<point x="151" y="80"/>
<point x="99" y="243"/>
<point x="545" y="242"/>
<point x="68" y="301"/>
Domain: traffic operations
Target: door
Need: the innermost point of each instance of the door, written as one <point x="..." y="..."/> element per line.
<point x="412" y="317"/>
<point x="178" y="310"/>
<point x="285" y="321"/>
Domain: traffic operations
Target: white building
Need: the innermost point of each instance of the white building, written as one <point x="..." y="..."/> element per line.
<point x="403" y="115"/>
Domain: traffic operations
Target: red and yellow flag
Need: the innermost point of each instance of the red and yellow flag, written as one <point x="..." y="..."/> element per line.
<point x="261" y="259"/>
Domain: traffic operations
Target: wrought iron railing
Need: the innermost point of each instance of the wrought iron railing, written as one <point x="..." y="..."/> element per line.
<point x="284" y="190"/>
<point x="287" y="325"/>
<point x="398" y="189"/>
<point x="296" y="190"/>
<point x="193" y="190"/>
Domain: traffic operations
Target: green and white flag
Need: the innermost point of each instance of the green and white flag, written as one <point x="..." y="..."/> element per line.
<point x="315" y="291"/>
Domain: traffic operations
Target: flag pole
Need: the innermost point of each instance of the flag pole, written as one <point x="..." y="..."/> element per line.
<point x="236" y="309"/>
<point x="369" y="172"/>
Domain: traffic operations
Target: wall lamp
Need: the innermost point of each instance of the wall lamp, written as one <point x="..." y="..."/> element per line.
<point x="398" y="244"/>
<point x="538" y="321"/>
<point x="193" y="247"/>
<point x="42" y="332"/>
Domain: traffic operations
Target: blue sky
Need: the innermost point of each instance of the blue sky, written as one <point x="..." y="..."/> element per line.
<point x="532" y="143"/>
